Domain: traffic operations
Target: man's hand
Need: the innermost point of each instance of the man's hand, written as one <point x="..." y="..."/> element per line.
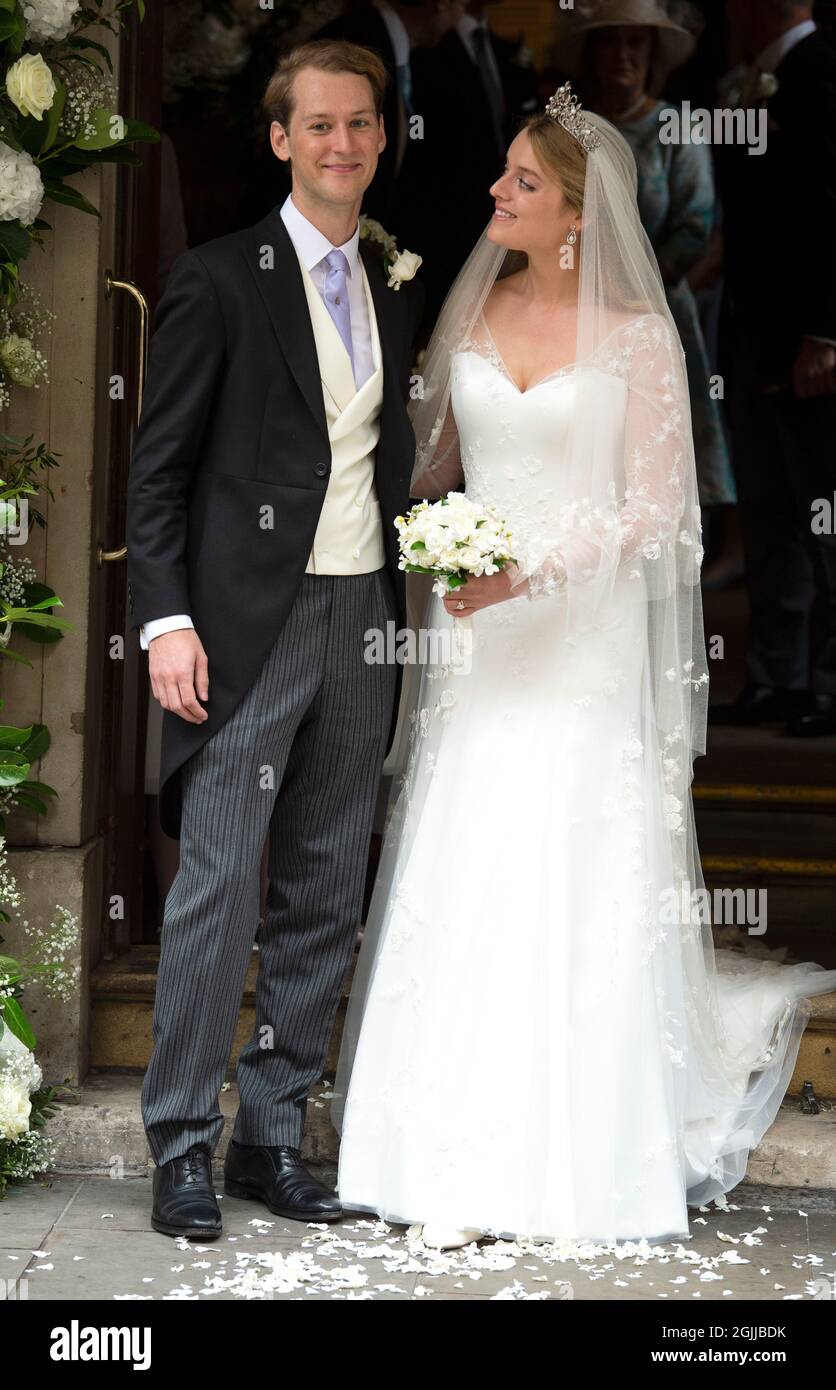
<point x="178" y="666"/>
<point x="814" y="370"/>
<point x="481" y="591"/>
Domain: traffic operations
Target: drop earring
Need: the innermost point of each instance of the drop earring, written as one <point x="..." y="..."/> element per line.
<point x="572" y="236"/>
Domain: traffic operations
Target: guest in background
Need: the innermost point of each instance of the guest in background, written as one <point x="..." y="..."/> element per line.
<point x="397" y="32"/>
<point x="780" y="232"/>
<point x="620" y="52"/>
<point x="472" y="90"/>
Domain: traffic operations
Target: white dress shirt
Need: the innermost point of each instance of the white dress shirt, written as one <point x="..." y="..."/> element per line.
<point x="311" y="246"/>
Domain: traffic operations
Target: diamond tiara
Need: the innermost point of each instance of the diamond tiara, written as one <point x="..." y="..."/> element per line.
<point x="565" y="108"/>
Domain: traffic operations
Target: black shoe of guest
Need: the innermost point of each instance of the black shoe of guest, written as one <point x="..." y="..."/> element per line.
<point x="275" y="1175"/>
<point x="760" y="704"/>
<point x="184" y="1196"/>
<point x="817" y="720"/>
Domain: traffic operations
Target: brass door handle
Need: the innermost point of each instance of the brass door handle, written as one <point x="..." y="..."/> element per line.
<point x="111" y="284"/>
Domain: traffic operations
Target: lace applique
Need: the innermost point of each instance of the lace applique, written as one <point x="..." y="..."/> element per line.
<point x="649" y="523"/>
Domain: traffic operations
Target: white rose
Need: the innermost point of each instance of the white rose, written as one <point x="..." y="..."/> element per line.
<point x="21" y="190"/>
<point x="15" y="1109"/>
<point x="19" y="359"/>
<point x="403" y="268"/>
<point x="30" y="85"/>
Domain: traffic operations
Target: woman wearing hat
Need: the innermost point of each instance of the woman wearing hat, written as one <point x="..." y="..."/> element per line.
<point x="621" y="52"/>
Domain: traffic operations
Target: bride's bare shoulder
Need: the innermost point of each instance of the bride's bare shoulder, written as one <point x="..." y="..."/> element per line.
<point x="506" y="289"/>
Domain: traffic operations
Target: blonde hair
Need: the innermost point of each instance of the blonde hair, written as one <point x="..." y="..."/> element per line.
<point x="564" y="157"/>
<point x="325" y="55"/>
<point x="559" y="153"/>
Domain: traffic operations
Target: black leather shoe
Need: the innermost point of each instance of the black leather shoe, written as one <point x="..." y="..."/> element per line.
<point x="184" y="1197"/>
<point x="276" y="1176"/>
<point x="760" y="704"/>
<point x="817" y="720"/>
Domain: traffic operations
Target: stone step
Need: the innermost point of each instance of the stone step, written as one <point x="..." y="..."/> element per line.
<point x="757" y="868"/>
<point x="798" y="917"/>
<point x="742" y="756"/>
<point x="102" y="1134"/>
<point x="123" y="996"/>
<point x="765" y="796"/>
<point x="103" y="1131"/>
<point x="122" y="993"/>
<point x="779" y="833"/>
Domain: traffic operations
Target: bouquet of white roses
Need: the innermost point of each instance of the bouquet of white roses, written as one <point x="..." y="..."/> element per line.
<point x="452" y="539"/>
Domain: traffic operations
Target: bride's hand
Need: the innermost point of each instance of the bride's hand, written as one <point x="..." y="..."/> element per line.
<point x="481" y="591"/>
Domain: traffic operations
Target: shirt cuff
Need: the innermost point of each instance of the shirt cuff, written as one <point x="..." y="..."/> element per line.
<point x="157" y="626"/>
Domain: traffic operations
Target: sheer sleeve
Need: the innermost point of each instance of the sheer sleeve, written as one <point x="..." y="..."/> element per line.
<point x="645" y="523"/>
<point x="438" y="468"/>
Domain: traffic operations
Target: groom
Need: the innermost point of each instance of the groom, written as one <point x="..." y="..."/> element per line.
<point x="273" y="454"/>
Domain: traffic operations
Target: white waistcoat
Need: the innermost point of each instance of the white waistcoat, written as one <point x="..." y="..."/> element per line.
<point x="349" y="536"/>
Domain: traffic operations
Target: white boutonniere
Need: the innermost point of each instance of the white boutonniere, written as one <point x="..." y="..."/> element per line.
<point x="399" y="265"/>
<point x="767" y="86"/>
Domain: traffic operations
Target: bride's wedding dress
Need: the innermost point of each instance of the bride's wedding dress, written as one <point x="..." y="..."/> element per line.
<point x="524" y="1063"/>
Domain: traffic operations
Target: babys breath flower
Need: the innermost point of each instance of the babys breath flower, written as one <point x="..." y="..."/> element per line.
<point x="10" y="894"/>
<point x="30" y="85"/>
<point x="17" y="573"/>
<point x="21" y="190"/>
<point x="55" y="943"/>
<point x="89" y="90"/>
<point x="372" y="230"/>
<point x="33" y="1153"/>
<point x="49" y="19"/>
<point x="22" y="361"/>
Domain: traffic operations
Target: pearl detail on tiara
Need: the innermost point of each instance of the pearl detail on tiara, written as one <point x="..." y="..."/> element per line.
<point x="565" y="108"/>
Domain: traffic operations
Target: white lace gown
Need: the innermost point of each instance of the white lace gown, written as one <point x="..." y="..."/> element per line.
<point x="519" y="1069"/>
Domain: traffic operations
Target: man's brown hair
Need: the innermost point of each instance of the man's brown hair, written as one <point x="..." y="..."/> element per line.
<point x="326" y="55"/>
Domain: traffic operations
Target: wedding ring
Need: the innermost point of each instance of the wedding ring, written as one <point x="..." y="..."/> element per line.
<point x="460" y="603"/>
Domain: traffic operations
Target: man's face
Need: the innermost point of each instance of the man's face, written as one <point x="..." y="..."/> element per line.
<point x="334" y="136"/>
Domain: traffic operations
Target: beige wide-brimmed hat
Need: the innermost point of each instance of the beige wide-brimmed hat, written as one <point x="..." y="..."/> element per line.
<point x="674" y="45"/>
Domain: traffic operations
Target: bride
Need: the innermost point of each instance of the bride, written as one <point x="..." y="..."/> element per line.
<point x="541" y="1040"/>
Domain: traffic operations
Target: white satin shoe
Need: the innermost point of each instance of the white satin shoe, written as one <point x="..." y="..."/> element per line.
<point x="447" y="1237"/>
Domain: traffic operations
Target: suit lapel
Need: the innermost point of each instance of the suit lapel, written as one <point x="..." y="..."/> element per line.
<point x="387" y="320"/>
<point x="283" y="291"/>
<point x="274" y="266"/>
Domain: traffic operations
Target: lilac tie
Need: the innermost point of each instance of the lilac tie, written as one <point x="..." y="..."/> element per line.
<point x="336" y="298"/>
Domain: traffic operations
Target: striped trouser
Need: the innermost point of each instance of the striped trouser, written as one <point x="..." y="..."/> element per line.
<point x="300" y="758"/>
